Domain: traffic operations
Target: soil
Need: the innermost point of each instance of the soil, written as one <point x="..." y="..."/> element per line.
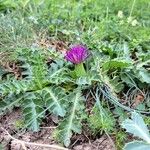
<point x="9" y="123"/>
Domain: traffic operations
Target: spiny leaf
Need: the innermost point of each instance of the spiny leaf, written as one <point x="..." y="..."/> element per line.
<point x="26" y="71"/>
<point x="128" y="78"/>
<point x="58" y="73"/>
<point x="39" y="70"/>
<point x="15" y="87"/>
<point x="144" y="75"/>
<point x="72" y="122"/>
<point x="137" y="127"/>
<point x="116" y="85"/>
<point x="137" y="145"/>
<point x="93" y="76"/>
<point x="32" y="107"/>
<point x="8" y="102"/>
<point x="34" y="68"/>
<point x="55" y="98"/>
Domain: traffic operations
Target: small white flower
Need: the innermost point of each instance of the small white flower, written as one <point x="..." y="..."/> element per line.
<point x="129" y="19"/>
<point x="134" y="22"/>
<point x="120" y="14"/>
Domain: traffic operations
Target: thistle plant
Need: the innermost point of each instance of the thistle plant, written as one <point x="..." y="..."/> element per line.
<point x="77" y="55"/>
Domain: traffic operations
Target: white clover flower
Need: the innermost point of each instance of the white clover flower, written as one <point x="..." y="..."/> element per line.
<point x="120" y="14"/>
<point x="129" y="19"/>
<point x="134" y="23"/>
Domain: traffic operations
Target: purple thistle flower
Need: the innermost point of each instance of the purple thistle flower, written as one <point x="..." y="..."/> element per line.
<point x="77" y="54"/>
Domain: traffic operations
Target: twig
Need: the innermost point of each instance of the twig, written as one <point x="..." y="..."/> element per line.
<point x="48" y="127"/>
<point x="34" y="144"/>
<point x="23" y="146"/>
<point x="110" y="140"/>
<point x="87" y="137"/>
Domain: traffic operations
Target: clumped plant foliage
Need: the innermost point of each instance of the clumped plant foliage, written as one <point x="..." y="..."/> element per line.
<point x="112" y="74"/>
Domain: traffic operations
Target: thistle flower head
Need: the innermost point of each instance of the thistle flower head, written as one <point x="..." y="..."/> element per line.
<point x="77" y="54"/>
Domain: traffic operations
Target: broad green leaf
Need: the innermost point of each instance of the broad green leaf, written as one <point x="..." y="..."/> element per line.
<point x="128" y="78"/>
<point x="57" y="73"/>
<point x="26" y="71"/>
<point x="15" y="87"/>
<point x="92" y="76"/>
<point x="137" y="127"/>
<point x="8" y="103"/>
<point x="72" y="122"/>
<point x="55" y="100"/>
<point x="32" y="110"/>
<point x="116" y="84"/>
<point x="144" y="75"/>
<point x="83" y="81"/>
<point x="113" y="64"/>
<point x="137" y="145"/>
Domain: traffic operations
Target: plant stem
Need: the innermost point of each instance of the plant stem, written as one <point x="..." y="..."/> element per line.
<point x="79" y="70"/>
